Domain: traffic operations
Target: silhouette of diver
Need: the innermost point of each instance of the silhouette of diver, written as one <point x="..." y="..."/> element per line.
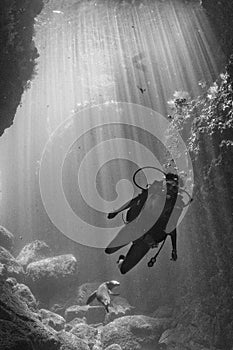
<point x="172" y="209"/>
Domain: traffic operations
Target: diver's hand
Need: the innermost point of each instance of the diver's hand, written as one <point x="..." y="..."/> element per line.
<point x="111" y="215"/>
<point x="174" y="255"/>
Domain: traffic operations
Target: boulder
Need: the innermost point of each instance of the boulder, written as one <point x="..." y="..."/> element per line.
<point x="85" y="332"/>
<point x="6" y="238"/>
<point x="93" y="314"/>
<point x="47" y="275"/>
<point x="34" y="251"/>
<point x="24" y="293"/>
<point x="70" y="342"/>
<point x="133" y="332"/>
<point x="14" y="269"/>
<point x="16" y="318"/>
<point x="74" y="322"/>
<point x="51" y="319"/>
<point x="119" y="307"/>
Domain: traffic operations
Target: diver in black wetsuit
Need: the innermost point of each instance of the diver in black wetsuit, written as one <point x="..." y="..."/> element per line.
<point x="172" y="209"/>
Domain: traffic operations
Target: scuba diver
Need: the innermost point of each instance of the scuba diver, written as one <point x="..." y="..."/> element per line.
<point x="142" y="234"/>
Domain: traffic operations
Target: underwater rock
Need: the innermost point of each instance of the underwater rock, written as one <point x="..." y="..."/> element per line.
<point x="12" y="337"/>
<point x="13" y="310"/>
<point x="85" y="332"/>
<point x="74" y="322"/>
<point x="14" y="269"/>
<point x="93" y="314"/>
<point x="3" y="273"/>
<point x="119" y="307"/>
<point x="133" y="332"/>
<point x="184" y="337"/>
<point x="71" y="342"/>
<point x="114" y="347"/>
<point x="47" y="275"/>
<point x="24" y="293"/>
<point x="6" y="238"/>
<point x="51" y="319"/>
<point x="163" y="312"/>
<point x="34" y="251"/>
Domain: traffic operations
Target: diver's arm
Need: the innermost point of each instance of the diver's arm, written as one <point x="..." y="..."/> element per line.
<point x="124" y="206"/>
<point x="173" y="239"/>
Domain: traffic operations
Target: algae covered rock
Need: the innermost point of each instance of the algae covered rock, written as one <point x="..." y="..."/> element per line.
<point x="133" y="332"/>
<point x="51" y="319"/>
<point x="6" y="238"/>
<point x="49" y="274"/>
<point x="14" y="269"/>
<point x="70" y="342"/>
<point x="34" y="251"/>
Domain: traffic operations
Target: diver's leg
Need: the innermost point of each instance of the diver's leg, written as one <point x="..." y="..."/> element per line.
<point x="173" y="235"/>
<point x="136" y="252"/>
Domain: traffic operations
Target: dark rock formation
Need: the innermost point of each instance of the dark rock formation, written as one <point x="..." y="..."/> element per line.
<point x="32" y="252"/>
<point x="13" y="338"/>
<point x="20" y="328"/>
<point x="18" y="54"/>
<point x="6" y="238"/>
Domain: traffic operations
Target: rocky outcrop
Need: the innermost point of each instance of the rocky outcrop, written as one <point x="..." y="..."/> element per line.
<point x="133" y="332"/>
<point x="14" y="269"/>
<point x="32" y="252"/>
<point x="12" y="337"/>
<point x="74" y="322"/>
<point x="6" y="238"/>
<point x="51" y="319"/>
<point x="86" y="333"/>
<point x="25" y="295"/>
<point x="70" y="342"/>
<point x="20" y="327"/>
<point x="18" y="54"/>
<point x="46" y="276"/>
<point x="93" y="314"/>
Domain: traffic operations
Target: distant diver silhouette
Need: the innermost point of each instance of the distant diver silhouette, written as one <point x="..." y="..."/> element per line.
<point x="156" y="234"/>
<point x="103" y="293"/>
